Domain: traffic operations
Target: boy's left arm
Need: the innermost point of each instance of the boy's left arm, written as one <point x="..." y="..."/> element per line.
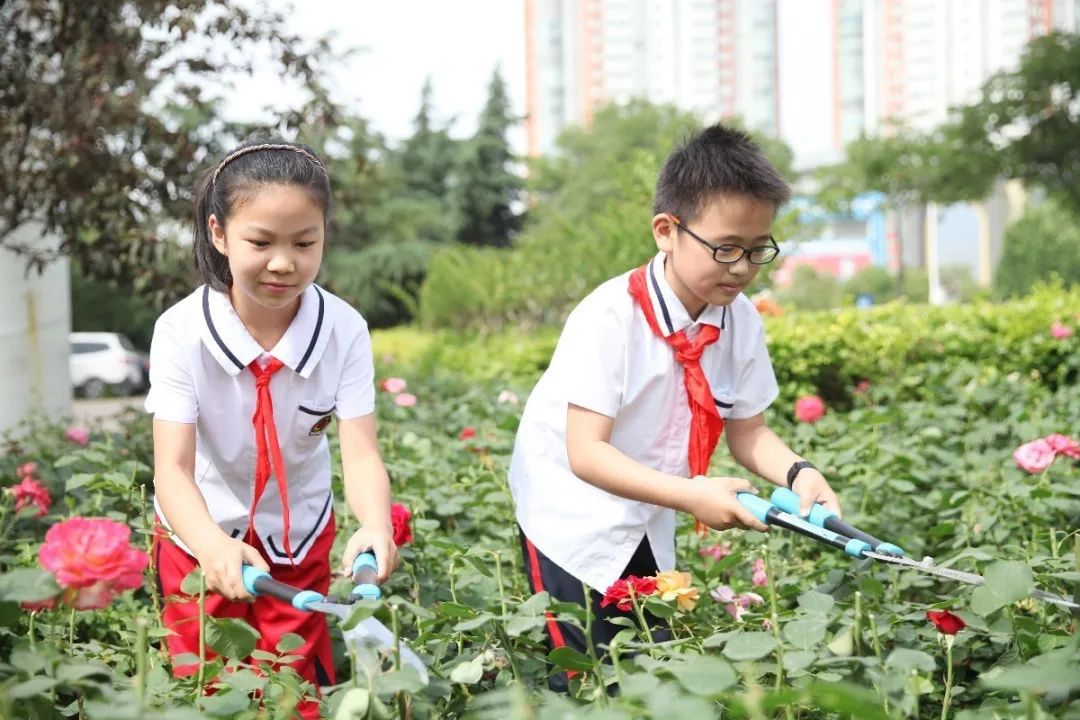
<point x="759" y="450"/>
<point x="367" y="492"/>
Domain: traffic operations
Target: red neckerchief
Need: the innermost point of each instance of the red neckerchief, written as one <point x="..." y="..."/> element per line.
<point x="266" y="438"/>
<point x="706" y="425"/>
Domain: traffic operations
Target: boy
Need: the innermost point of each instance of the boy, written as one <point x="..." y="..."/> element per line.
<point x="650" y="369"/>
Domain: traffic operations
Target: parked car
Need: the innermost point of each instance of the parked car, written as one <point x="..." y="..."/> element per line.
<point x="103" y="362"/>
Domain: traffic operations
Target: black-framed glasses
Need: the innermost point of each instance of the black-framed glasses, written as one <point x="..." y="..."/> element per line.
<point x="759" y="255"/>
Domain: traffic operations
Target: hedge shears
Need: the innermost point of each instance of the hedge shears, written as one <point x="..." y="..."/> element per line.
<point x="368" y="632"/>
<point x="823" y="525"/>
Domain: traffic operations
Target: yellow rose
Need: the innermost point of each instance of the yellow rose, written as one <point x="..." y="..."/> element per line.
<point x="674" y="585"/>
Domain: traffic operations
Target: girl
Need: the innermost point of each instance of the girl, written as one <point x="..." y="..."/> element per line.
<point x="246" y="373"/>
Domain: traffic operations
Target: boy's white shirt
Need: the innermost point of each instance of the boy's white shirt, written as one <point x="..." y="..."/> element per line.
<point x="198" y="374"/>
<point x="609" y="361"/>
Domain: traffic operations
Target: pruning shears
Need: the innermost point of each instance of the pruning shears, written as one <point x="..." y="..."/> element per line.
<point x="368" y="632"/>
<point x="824" y="526"/>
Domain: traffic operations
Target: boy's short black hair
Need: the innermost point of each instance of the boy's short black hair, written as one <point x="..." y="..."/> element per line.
<point x="716" y="161"/>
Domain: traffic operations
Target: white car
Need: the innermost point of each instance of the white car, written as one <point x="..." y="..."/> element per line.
<point x="101" y="361"/>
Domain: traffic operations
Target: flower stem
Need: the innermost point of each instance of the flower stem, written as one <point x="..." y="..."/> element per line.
<point x="601" y="690"/>
<point x="947" y="700"/>
<point x="71" y="632"/>
<point x="856" y="630"/>
<point x="639" y="612"/>
<point x="202" y="633"/>
<point x="774" y="619"/>
<point x="499" y="579"/>
<point x="140" y="661"/>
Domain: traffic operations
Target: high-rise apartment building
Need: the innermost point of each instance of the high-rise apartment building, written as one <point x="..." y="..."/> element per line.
<point x="717" y="58"/>
<point x="909" y="61"/>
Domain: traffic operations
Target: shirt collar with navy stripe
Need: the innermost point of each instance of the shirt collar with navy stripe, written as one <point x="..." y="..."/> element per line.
<point x="671" y="314"/>
<point x="228" y="340"/>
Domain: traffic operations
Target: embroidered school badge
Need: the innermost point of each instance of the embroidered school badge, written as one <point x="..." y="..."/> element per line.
<point x="320" y="427"/>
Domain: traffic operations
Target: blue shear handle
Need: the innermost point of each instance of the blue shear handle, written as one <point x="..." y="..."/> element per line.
<point x="770" y="514"/>
<point x="259" y="582"/>
<point x="823" y="517"/>
<point x="366" y="576"/>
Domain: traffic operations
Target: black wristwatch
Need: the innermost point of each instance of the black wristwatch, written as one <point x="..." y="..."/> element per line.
<point x="795" y="468"/>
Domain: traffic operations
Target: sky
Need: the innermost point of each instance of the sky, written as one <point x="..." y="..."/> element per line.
<point x="459" y="43"/>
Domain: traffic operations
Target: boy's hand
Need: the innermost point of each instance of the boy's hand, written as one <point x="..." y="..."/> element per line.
<point x="379" y="540"/>
<point x="811" y="487"/>
<point x="713" y="502"/>
<point x="221" y="558"/>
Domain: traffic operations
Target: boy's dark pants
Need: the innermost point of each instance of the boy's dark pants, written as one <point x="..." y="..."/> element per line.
<point x="543" y="574"/>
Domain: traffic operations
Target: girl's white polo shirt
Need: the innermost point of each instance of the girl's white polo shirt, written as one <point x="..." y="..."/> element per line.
<point x="608" y="360"/>
<point x="198" y="374"/>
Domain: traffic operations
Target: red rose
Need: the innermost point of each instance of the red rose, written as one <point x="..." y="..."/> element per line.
<point x="945" y="621"/>
<point x="399" y="519"/>
<point x="31" y="492"/>
<point x="618" y="593"/>
<point x="467" y="433"/>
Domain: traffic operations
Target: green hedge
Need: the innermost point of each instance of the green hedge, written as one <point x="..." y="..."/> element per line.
<point x="825" y="352"/>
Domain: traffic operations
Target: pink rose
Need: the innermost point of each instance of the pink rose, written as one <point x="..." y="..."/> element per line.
<point x="1034" y="456"/>
<point x="736" y="605"/>
<point x="809" y="408"/>
<point x="716" y="552"/>
<point x="467" y="433"/>
<point x="78" y="435"/>
<point x="26" y="470"/>
<point x="1060" y="330"/>
<point x="507" y="398"/>
<point x="394" y="385"/>
<point x="760" y="578"/>
<point x="93" y="560"/>
<point x="862" y="387"/>
<point x="405" y="399"/>
<point x="1063" y="445"/>
<point x="31" y="492"/>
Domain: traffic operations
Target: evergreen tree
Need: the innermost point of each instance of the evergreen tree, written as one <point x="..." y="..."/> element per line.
<point x="488" y="189"/>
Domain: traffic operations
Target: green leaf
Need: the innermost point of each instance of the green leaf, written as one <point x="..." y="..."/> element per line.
<point x="749" y="645"/>
<point x="231" y="637"/>
<point x="659" y="608"/>
<point x="520" y="625"/>
<point x="72" y="672"/>
<point x="906" y="660"/>
<point x="469" y="672"/>
<point x="707" y="676"/>
<point x="407" y="679"/>
<point x="354" y="705"/>
<point x="225" y="704"/>
<point x="1059" y="678"/>
<point x="567" y="658"/>
<point x="1006" y="582"/>
<point x="78" y="480"/>
<point x="362" y="610"/>
<point x="454" y="610"/>
<point x="28" y="585"/>
<point x="535" y="605"/>
<point x="805" y="633"/>
<point x="192" y="582"/>
<point x="812" y="601"/>
<point x="798" y="659"/>
<point x="479" y="620"/>
<point x="34" y="686"/>
<point x="289" y="642"/>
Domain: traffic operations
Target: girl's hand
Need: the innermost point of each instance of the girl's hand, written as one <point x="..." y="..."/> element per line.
<point x="811" y="487"/>
<point x="379" y="540"/>
<point x="221" y="559"/>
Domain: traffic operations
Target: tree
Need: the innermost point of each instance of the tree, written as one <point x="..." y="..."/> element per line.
<point x="1044" y="242"/>
<point x="1028" y="119"/>
<point x="488" y="189"/>
<point x="105" y="122"/>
